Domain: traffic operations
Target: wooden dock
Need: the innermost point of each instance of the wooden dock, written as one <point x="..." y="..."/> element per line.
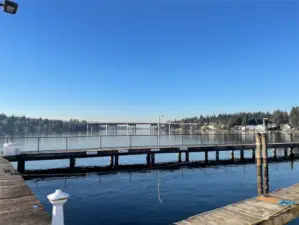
<point x="149" y="151"/>
<point x="264" y="210"/>
<point x="18" y="205"/>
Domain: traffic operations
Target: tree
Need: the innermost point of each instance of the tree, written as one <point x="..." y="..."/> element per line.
<point x="280" y="117"/>
<point x="294" y="116"/>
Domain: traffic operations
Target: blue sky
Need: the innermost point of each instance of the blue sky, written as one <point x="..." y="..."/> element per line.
<point x="130" y="60"/>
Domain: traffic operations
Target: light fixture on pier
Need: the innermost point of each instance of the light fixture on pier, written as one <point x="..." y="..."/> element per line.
<point x="9" y="6"/>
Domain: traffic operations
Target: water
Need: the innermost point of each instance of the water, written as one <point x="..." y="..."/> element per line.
<point x="158" y="197"/>
<point x="155" y="197"/>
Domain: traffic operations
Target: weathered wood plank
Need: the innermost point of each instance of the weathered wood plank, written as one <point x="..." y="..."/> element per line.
<point x="253" y="211"/>
<point x="18" y="205"/>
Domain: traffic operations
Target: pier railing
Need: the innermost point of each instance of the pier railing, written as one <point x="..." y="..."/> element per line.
<point x="42" y="143"/>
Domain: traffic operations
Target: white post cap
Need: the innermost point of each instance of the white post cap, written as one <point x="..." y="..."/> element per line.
<point x="58" y="195"/>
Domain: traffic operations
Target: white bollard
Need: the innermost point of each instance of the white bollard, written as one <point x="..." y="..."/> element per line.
<point x="57" y="199"/>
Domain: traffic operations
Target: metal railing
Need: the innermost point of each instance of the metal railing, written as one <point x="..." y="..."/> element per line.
<point x="41" y="143"/>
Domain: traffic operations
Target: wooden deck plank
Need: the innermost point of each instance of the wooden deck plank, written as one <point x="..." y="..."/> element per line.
<point x="252" y="211"/>
<point x="18" y="205"/>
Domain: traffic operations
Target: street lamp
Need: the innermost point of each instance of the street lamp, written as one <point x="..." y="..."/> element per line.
<point x="159" y="128"/>
<point x="264" y="124"/>
<point x="9" y="6"/>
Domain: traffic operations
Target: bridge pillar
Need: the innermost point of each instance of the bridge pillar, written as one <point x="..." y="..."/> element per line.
<point x="21" y="166"/>
<point x="72" y="163"/>
<point x="179" y="157"/>
<point x="206" y="156"/>
<point x="217" y="155"/>
<point x="187" y="156"/>
<point x="242" y="154"/>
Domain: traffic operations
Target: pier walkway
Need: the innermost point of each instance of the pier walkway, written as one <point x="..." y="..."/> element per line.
<point x="263" y="210"/>
<point x="149" y="151"/>
<point x="18" y="205"/>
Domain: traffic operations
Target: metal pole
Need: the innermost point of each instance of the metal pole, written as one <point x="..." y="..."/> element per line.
<point x="38" y="144"/>
<point x="65" y="143"/>
<point x="159" y="131"/>
<point x="130" y="141"/>
<point x="100" y="141"/>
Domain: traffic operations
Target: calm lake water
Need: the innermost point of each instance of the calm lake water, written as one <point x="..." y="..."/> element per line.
<point x="154" y="197"/>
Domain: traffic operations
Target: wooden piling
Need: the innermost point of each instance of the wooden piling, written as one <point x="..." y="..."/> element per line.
<point x="179" y="157"/>
<point x="148" y="159"/>
<point x="274" y="153"/>
<point x="258" y="164"/>
<point x="116" y="159"/>
<point x="232" y="155"/>
<point x="265" y="163"/>
<point x="292" y="153"/>
<point x="72" y="162"/>
<point x="111" y="161"/>
<point x="206" y="156"/>
<point x="152" y="159"/>
<point x="253" y="153"/>
<point x="242" y="155"/>
<point x="285" y="153"/>
<point x="187" y="156"/>
<point x="217" y="155"/>
<point x="21" y="166"/>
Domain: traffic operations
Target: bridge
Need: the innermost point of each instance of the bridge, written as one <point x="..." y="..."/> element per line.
<point x="132" y="126"/>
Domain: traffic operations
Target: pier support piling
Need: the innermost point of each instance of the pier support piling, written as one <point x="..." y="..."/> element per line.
<point x="242" y="155"/>
<point x="21" y="166"/>
<point x="152" y="159"/>
<point x="148" y="159"/>
<point x="258" y="161"/>
<point x="292" y="153"/>
<point x="206" y="157"/>
<point x="116" y="158"/>
<point x="253" y="153"/>
<point x="285" y="153"/>
<point x="179" y="157"/>
<point x="265" y="163"/>
<point x="187" y="156"/>
<point x="217" y="155"/>
<point x="274" y="153"/>
<point x="232" y="155"/>
<point x="72" y="162"/>
<point x="111" y="161"/>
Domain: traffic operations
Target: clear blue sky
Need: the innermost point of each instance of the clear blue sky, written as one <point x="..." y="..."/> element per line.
<point x="130" y="60"/>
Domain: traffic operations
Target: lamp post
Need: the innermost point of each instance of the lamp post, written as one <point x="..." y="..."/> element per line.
<point x="264" y="124"/>
<point x="159" y="128"/>
<point x="9" y="6"/>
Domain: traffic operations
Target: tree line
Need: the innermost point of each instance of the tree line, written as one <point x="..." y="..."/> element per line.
<point x="229" y="120"/>
<point x="12" y="124"/>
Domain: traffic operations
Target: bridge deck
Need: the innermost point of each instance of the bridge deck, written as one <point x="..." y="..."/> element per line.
<point x="18" y="205"/>
<point x="259" y="210"/>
